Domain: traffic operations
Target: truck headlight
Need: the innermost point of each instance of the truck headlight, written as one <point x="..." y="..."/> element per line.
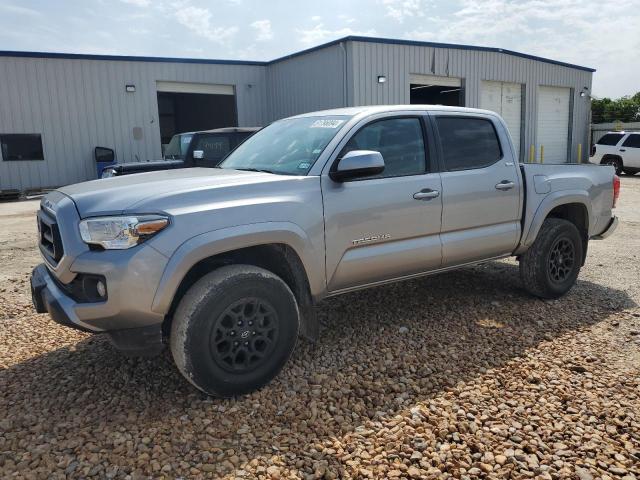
<point x="120" y="233"/>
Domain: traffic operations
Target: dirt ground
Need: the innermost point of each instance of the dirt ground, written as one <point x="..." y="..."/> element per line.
<point x="461" y="375"/>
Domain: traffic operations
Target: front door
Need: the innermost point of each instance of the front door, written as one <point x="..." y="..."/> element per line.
<point x="481" y="188"/>
<point x="384" y="226"/>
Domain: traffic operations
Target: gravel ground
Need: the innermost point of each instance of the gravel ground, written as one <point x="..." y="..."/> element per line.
<point x="460" y="375"/>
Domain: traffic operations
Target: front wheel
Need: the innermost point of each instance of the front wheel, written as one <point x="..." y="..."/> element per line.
<point x="234" y="330"/>
<point x="551" y="265"/>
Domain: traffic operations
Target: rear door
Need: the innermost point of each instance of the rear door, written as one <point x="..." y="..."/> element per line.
<point x="630" y="151"/>
<point x="385" y="226"/>
<point x="481" y="188"/>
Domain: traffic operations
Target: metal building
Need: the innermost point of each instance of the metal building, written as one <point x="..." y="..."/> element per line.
<point x="56" y="108"/>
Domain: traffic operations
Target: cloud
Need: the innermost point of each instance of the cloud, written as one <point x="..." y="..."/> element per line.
<point x="16" y="9"/>
<point x="198" y="20"/>
<point x="399" y="10"/>
<point x="263" y="28"/>
<point x="320" y="33"/>
<point x="138" y="3"/>
<point x="316" y="18"/>
<point x="557" y="29"/>
<point x="346" y="18"/>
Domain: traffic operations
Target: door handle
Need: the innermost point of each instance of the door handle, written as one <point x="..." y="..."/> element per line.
<point x="623" y="150"/>
<point x="505" y="185"/>
<point x="426" y="194"/>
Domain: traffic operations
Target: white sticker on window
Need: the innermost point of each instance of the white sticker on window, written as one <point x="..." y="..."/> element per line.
<point x="327" y="123"/>
<point x="304" y="165"/>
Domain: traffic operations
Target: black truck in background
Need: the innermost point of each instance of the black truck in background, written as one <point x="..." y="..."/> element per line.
<point x="191" y="149"/>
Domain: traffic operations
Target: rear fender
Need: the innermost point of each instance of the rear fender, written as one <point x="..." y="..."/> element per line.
<point x="551" y="201"/>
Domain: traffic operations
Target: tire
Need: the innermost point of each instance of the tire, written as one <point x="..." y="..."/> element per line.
<point x="234" y="302"/>
<point x="551" y="265"/>
<point x="615" y="163"/>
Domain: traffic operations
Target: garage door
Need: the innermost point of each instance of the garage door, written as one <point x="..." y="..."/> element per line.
<point x="435" y="90"/>
<point x="553" y="123"/>
<point x="506" y="100"/>
<point x="186" y="107"/>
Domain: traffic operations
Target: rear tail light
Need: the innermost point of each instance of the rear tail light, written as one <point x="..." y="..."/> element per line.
<point x="616" y="190"/>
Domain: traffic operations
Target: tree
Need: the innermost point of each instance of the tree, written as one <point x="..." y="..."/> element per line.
<point x="624" y="109"/>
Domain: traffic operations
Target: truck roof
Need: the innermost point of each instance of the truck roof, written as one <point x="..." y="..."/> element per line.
<point x="352" y="111"/>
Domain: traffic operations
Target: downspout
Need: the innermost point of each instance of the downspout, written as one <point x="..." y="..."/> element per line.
<point x="344" y="76"/>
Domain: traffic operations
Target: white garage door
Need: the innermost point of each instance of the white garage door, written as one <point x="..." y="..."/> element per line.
<point x="553" y="123"/>
<point x="506" y="100"/>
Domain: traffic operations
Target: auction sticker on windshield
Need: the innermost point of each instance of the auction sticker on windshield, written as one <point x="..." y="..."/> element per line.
<point x="327" y="123"/>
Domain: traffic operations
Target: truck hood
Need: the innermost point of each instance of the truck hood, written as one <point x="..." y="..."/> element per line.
<point x="117" y="195"/>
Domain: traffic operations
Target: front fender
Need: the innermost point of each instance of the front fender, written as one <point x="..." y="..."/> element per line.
<point x="548" y="203"/>
<point x="233" y="238"/>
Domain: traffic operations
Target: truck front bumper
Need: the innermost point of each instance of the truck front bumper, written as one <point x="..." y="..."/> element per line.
<point x="49" y="297"/>
<point x="611" y="227"/>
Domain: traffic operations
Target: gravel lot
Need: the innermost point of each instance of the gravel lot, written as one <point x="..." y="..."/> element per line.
<point x="460" y="375"/>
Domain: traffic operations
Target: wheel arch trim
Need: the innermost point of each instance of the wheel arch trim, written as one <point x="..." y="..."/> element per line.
<point x="229" y="239"/>
<point x="550" y="202"/>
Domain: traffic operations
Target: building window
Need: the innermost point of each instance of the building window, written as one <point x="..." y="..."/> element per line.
<point x="21" y="146"/>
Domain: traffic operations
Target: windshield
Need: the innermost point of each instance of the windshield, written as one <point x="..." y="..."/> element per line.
<point x="177" y="148"/>
<point x="288" y="147"/>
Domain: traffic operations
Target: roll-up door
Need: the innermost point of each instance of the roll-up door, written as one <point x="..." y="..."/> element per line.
<point x="505" y="99"/>
<point x="554" y="105"/>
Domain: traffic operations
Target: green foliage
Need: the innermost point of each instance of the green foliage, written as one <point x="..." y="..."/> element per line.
<point x="624" y="109"/>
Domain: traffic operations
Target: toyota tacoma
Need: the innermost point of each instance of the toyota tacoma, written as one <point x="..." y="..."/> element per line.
<point x="226" y="264"/>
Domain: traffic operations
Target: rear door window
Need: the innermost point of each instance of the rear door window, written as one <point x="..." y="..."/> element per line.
<point x="610" y="139"/>
<point x="632" y="141"/>
<point x="468" y="143"/>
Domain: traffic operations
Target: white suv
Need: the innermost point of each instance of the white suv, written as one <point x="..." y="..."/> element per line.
<point x="620" y="149"/>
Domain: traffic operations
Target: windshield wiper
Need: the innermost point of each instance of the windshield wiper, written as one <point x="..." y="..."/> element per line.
<point x="247" y="169"/>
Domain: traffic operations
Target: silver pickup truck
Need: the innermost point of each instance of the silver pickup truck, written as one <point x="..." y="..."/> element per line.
<point x="226" y="264"/>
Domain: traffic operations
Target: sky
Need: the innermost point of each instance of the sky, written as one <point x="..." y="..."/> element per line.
<point x="594" y="33"/>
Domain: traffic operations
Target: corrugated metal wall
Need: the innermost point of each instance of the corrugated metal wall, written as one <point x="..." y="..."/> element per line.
<point x="78" y="104"/>
<point x="314" y="81"/>
<point x="397" y="62"/>
<point x="599" y="130"/>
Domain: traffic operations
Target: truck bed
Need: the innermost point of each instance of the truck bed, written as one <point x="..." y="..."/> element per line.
<point x="547" y="186"/>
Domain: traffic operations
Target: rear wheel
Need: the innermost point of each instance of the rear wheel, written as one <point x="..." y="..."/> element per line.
<point x="615" y="163"/>
<point x="551" y="265"/>
<point x="234" y="330"/>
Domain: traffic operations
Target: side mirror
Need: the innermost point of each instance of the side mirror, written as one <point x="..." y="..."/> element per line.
<point x="358" y="163"/>
<point x="198" y="154"/>
<point x="104" y="154"/>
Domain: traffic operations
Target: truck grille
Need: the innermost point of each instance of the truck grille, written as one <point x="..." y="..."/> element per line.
<point x="50" y="241"/>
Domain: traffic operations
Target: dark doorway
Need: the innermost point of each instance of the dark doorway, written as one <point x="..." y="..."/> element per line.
<point x="188" y="112"/>
<point x="436" y="95"/>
